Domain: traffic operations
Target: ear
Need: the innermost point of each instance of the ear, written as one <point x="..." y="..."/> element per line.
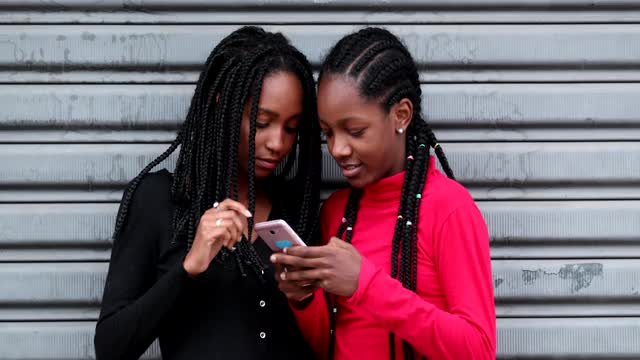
<point x="402" y="113"/>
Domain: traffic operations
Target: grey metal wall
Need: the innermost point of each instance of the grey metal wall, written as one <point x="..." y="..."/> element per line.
<point x="537" y="103"/>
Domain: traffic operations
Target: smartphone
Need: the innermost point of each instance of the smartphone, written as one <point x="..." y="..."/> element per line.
<point x="277" y="234"/>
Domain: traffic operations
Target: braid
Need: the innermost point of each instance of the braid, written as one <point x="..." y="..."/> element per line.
<point x="350" y="213"/>
<point x="439" y="152"/>
<point x="194" y="112"/>
<point x="308" y="221"/>
<point x="246" y="252"/>
<point x="213" y="126"/>
<point x="131" y="188"/>
<point x="246" y="249"/>
<point x="372" y="52"/>
<point x="244" y="76"/>
<point x="231" y="110"/>
<point x="399" y="94"/>
<point x="347" y="224"/>
<point x="192" y="228"/>
<point x="207" y="166"/>
<point x="385" y="71"/>
<point x="347" y="54"/>
<point x="382" y="74"/>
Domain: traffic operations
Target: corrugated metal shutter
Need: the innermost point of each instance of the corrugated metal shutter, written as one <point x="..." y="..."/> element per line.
<point x="537" y="102"/>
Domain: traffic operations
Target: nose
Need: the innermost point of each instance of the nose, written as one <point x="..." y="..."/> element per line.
<point x="276" y="141"/>
<point x="339" y="147"/>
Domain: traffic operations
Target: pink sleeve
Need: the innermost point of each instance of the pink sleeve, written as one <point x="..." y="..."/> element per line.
<point x="467" y="330"/>
<point x="313" y="322"/>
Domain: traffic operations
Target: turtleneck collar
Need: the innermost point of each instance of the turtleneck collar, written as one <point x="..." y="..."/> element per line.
<point x="387" y="191"/>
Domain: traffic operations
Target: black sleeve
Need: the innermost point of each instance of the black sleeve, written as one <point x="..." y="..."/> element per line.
<point x="134" y="304"/>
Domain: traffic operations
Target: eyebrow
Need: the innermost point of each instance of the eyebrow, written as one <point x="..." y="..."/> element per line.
<point x="275" y="114"/>
<point x="342" y="121"/>
<point x="268" y="112"/>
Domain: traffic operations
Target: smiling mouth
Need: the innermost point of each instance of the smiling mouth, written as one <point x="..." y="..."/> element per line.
<point x="350" y="171"/>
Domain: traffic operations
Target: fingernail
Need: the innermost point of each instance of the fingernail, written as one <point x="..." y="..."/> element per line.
<point x="273" y="258"/>
<point x="283" y="276"/>
<point x="284" y="250"/>
<point x="248" y="213"/>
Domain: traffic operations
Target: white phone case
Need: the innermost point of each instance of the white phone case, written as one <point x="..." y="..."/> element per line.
<point x="277" y="234"/>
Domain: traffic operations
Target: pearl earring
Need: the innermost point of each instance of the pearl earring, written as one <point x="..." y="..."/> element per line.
<point x="400" y="131"/>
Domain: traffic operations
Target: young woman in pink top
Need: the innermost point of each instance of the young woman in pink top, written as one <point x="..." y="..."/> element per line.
<point x="406" y="271"/>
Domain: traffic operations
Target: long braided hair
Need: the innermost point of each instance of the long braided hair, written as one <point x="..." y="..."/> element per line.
<point x="385" y="71"/>
<point x="207" y="168"/>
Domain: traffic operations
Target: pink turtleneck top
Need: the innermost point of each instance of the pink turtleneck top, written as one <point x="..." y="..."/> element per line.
<point x="452" y="313"/>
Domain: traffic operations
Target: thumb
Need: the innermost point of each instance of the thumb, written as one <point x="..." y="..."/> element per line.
<point x="336" y="242"/>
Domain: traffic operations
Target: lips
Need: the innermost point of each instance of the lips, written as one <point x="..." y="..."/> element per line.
<point x="267" y="164"/>
<point x="350" y="170"/>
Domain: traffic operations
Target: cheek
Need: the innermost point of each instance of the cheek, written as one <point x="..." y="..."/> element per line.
<point x="289" y="139"/>
<point x="243" y="146"/>
<point x="373" y="155"/>
<point x="244" y="131"/>
<point x="376" y="150"/>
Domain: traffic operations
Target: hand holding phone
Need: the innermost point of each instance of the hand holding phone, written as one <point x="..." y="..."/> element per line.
<point x="278" y="235"/>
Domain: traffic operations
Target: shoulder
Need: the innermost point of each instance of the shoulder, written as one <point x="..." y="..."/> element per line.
<point x="151" y="198"/>
<point x="153" y="184"/>
<point x="446" y="196"/>
<point x="146" y="218"/>
<point x="153" y="188"/>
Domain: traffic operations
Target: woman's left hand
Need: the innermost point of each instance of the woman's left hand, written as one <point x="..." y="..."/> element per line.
<point x="335" y="267"/>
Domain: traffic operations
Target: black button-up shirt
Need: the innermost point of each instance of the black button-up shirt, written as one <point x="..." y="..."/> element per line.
<point x="217" y="315"/>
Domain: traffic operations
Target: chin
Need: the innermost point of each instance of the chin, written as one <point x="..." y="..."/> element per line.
<point x="359" y="182"/>
<point x="262" y="174"/>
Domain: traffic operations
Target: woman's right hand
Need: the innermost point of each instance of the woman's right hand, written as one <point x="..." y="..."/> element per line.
<point x="219" y="226"/>
<point x="295" y="291"/>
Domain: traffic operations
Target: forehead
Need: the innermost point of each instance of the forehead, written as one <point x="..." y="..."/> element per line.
<point x="337" y="90"/>
<point x="281" y="88"/>
<point x="338" y="97"/>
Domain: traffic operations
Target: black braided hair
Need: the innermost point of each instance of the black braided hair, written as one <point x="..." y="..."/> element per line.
<point x="207" y="168"/>
<point x="385" y="71"/>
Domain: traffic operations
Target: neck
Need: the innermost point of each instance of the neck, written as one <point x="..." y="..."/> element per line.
<point x="398" y="164"/>
<point x="243" y="189"/>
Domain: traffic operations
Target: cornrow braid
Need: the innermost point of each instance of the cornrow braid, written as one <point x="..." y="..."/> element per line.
<point x="381" y="74"/>
<point x="338" y="59"/>
<point x="385" y="71"/>
<point x="371" y="53"/>
<point x="206" y="169"/>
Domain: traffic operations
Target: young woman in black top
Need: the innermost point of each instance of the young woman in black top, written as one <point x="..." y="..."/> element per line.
<point x="186" y="266"/>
